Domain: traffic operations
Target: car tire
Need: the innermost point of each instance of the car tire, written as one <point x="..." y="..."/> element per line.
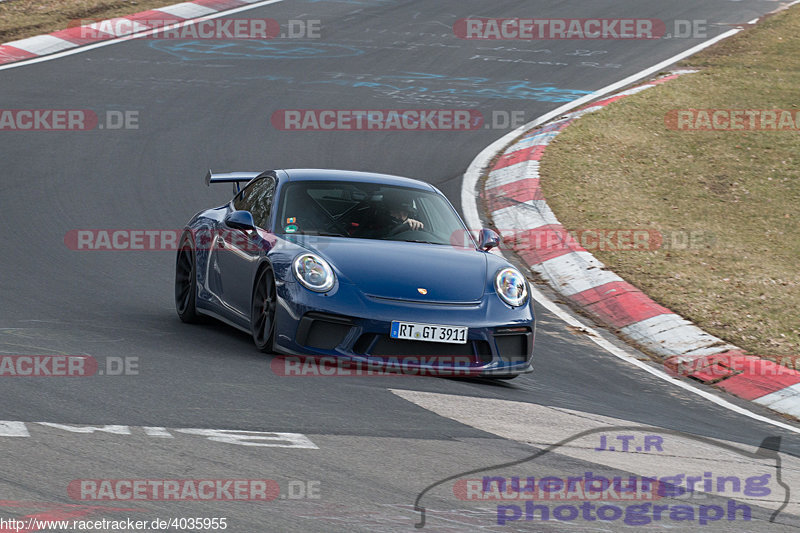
<point x="186" y="281"/>
<point x="263" y="310"/>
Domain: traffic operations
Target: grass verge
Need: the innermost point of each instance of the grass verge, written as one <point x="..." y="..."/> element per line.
<point x="624" y="168"/>
<point x="25" y="18"/>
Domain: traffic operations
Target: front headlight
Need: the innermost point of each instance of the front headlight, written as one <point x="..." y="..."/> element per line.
<point x="511" y="287"/>
<point x="313" y="272"/>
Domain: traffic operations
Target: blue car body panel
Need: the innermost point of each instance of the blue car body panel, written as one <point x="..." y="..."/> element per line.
<point x="376" y="282"/>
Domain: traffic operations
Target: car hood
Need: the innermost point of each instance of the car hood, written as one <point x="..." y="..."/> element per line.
<point x="398" y="270"/>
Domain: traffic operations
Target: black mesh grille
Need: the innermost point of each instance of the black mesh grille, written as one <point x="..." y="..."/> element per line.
<point x="484" y="352"/>
<point x="362" y="344"/>
<point x="322" y="332"/>
<point x="513" y="348"/>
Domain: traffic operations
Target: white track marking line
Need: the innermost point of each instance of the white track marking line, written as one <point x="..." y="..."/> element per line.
<point x="630" y="358"/>
<point x="85" y="48"/>
<point x="470" y="209"/>
<point x="271" y="439"/>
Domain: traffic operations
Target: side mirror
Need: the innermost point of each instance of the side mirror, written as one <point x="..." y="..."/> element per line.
<point x="241" y="220"/>
<point x="488" y="239"/>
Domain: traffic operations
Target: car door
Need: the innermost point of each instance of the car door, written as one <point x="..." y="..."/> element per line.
<point x="238" y="251"/>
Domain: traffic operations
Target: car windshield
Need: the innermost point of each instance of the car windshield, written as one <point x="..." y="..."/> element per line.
<point x="368" y="211"/>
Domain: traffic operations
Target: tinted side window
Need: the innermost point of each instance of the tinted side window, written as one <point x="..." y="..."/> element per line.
<point x="240" y="200"/>
<point x="257" y="198"/>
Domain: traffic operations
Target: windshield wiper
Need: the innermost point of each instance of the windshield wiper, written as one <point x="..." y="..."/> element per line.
<point x="425" y="242"/>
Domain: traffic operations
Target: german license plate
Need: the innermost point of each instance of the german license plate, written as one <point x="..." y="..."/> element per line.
<point x="429" y="332"/>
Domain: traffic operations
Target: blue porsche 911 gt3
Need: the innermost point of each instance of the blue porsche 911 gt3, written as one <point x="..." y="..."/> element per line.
<point x="354" y="265"/>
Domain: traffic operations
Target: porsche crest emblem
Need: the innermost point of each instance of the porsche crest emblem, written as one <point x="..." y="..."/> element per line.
<point x="422" y="291"/>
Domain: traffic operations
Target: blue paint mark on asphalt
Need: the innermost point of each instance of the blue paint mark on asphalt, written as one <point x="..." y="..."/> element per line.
<point x="396" y="86"/>
<point x="471" y="87"/>
<point x="194" y="50"/>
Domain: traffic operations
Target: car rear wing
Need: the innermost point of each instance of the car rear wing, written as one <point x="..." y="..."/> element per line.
<point x="237" y="178"/>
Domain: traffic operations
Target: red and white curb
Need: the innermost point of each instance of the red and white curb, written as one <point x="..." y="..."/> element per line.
<point x="151" y="20"/>
<point x="514" y="201"/>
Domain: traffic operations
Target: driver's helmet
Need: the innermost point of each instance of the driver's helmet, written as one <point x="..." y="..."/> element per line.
<point x="398" y="200"/>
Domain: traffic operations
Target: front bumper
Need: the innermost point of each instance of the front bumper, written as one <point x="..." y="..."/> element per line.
<point x="345" y="323"/>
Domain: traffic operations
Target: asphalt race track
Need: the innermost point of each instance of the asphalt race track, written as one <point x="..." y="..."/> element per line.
<point x="378" y="442"/>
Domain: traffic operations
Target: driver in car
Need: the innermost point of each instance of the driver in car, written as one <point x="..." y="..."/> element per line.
<point x="398" y="208"/>
<point x="389" y="217"/>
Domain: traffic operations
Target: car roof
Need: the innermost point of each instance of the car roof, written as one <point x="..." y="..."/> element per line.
<point x="319" y="174"/>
